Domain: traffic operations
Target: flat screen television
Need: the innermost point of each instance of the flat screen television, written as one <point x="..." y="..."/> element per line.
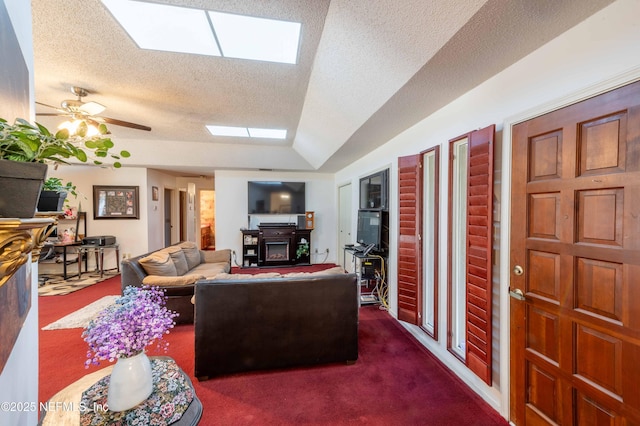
<point x="274" y="197"/>
<point x="370" y="227"/>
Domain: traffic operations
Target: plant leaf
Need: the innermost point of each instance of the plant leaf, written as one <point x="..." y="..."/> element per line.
<point x="62" y="134"/>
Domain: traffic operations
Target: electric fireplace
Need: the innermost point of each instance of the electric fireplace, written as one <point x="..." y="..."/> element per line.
<point x="277" y="244"/>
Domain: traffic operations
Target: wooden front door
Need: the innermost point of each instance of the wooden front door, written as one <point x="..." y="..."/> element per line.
<point x="575" y="261"/>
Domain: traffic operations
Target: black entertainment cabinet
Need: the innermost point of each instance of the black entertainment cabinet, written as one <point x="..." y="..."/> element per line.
<point x="276" y="244"/>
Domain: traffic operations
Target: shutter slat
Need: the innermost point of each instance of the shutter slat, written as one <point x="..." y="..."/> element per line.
<point x="409" y="264"/>
<point x="479" y="253"/>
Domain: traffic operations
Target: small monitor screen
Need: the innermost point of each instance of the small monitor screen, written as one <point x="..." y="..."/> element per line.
<point x="369" y="227"/>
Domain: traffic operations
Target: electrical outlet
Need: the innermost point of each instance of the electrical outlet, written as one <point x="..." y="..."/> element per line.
<point x="327" y="251"/>
<point x="316" y="251"/>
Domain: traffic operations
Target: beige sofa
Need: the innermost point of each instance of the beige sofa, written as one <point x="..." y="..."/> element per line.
<point x="176" y="269"/>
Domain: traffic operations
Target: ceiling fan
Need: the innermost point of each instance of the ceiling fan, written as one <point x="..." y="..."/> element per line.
<point x="87" y="111"/>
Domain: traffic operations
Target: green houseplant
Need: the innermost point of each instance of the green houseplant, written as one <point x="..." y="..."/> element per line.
<point x="54" y="194"/>
<point x="25" y="151"/>
<point x="302" y="250"/>
<point x="55" y="185"/>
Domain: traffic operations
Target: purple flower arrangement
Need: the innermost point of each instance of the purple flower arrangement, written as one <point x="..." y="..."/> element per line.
<point x="135" y="320"/>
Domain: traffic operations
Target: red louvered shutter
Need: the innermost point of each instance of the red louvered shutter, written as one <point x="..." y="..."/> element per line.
<point x="479" y="250"/>
<point x="409" y="247"/>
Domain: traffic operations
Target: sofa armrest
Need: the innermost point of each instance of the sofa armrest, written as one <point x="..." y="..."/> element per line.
<point x="215" y="256"/>
<point x="132" y="273"/>
<point x="164" y="281"/>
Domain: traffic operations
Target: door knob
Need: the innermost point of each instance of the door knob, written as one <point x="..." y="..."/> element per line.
<point x="517" y="294"/>
<point x="518" y="270"/>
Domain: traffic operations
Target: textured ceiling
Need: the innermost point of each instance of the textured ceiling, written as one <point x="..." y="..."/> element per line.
<point x="366" y="71"/>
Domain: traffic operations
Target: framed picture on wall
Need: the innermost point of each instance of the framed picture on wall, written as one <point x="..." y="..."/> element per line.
<point x="115" y="202"/>
<point x="154" y="193"/>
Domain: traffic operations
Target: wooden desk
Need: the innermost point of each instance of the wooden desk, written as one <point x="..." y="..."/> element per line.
<point x="87" y="397"/>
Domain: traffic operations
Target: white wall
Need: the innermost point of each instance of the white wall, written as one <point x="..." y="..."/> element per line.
<point x="232" y="215"/>
<point x="604" y="48"/>
<point x="135" y="236"/>
<point x="19" y="378"/>
<point x="131" y="234"/>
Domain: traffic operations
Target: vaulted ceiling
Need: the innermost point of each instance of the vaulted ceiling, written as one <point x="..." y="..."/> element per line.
<point x="366" y="71"/>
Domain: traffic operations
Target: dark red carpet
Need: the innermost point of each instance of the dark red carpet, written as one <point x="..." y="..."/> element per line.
<point x="394" y="382"/>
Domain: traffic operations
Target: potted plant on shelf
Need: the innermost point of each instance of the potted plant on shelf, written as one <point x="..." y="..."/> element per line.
<point x="120" y="333"/>
<point x="26" y="150"/>
<point x="54" y="193"/>
<point x="302" y="250"/>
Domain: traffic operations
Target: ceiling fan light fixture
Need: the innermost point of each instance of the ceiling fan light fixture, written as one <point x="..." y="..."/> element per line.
<point x="73" y="126"/>
<point x="86" y="112"/>
<point x="92" y="108"/>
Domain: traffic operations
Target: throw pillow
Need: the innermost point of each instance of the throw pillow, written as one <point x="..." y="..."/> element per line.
<point x="217" y="256"/>
<point x="191" y="253"/>
<point x="159" y="263"/>
<point x="179" y="259"/>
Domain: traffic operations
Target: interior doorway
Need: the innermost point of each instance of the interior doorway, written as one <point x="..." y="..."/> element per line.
<point x="207" y="219"/>
<point x="183" y="215"/>
<point x="344" y="221"/>
<point x="167" y="216"/>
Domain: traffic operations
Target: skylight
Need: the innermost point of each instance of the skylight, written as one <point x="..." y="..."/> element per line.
<point x="247" y="132"/>
<point x="180" y="29"/>
<point x="260" y="39"/>
<point x="267" y="133"/>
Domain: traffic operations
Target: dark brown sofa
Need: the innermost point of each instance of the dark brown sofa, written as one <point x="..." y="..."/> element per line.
<point x="256" y="324"/>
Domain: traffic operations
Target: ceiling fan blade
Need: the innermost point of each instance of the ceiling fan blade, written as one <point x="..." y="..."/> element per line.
<point x="51" y="114"/>
<point x="51" y="106"/>
<point x="124" y="123"/>
<point x="92" y="108"/>
<point x="95" y="121"/>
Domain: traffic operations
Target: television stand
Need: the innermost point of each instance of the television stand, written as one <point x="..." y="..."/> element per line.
<point x="276" y="244"/>
<point x="370" y="270"/>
